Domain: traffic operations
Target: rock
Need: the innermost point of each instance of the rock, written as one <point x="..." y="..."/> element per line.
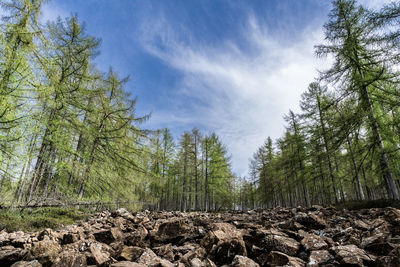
<point x="51" y="234"/>
<point x="131" y="253"/>
<point x="281" y="243"/>
<point x="352" y="255"/>
<point x="195" y="253"/>
<point x="242" y="261"/>
<point x="69" y="238"/>
<point x="109" y="236"/>
<point x="127" y="264"/>
<point x="9" y="255"/>
<point x="172" y="231"/>
<point x="196" y="262"/>
<point x="165" y="252"/>
<point x="318" y="257"/>
<point x="45" y="251"/>
<point x="313" y="242"/>
<point x="223" y="243"/>
<point x="70" y="259"/>
<point x="148" y="257"/>
<point x="276" y="258"/>
<point x="100" y="255"/>
<point x="33" y="263"/>
<point x="137" y="238"/>
<point x="311" y="221"/>
<point x="361" y="225"/>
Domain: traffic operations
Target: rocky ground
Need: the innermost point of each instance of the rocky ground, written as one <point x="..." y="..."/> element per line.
<point x="278" y="237"/>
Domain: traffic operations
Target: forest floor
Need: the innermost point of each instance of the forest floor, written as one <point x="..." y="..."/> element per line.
<point x="315" y="236"/>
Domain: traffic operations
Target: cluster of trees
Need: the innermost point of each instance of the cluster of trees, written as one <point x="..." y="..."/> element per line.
<point x="69" y="131"/>
<point x="345" y="142"/>
<point x="66" y="129"/>
<point x="194" y="174"/>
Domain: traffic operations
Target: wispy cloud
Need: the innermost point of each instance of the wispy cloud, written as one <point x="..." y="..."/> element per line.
<point x="240" y="93"/>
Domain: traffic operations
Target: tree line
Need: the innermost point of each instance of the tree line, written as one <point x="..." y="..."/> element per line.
<point x="344" y="143"/>
<point x="69" y="131"/>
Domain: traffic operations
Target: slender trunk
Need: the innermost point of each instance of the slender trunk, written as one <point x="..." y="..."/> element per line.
<point x="359" y="186"/>
<point x="328" y="154"/>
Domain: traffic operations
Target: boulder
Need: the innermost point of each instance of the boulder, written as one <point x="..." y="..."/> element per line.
<point x="352" y="255"/>
<point x="33" y="263"/>
<point x="311" y="221"/>
<point x="319" y="257"/>
<point x="46" y="251"/>
<point x="223" y="243"/>
<point x="131" y="253"/>
<point x="70" y="259"/>
<point x="10" y="255"/>
<point x="242" y="261"/>
<point x="127" y="264"/>
<point x="100" y="255"/>
<point x="281" y="243"/>
<point x="137" y="238"/>
<point x="313" y="242"/>
<point x="276" y="258"/>
<point x="109" y="236"/>
<point x="165" y="251"/>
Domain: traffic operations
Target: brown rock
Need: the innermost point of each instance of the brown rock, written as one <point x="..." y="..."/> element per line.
<point x="223" y="243"/>
<point x="172" y="231"/>
<point x="45" y="251"/>
<point x="318" y="257"/>
<point x="69" y="238"/>
<point x="352" y="255"/>
<point x="137" y="238"/>
<point x="282" y="243"/>
<point x="276" y="258"/>
<point x="131" y="253"/>
<point x="33" y="263"/>
<point x="313" y="242"/>
<point x="70" y="259"/>
<point x="9" y="255"/>
<point x="100" y="255"/>
<point x="311" y="221"/>
<point x="148" y="257"/>
<point x="165" y="252"/>
<point x="242" y="261"/>
<point x="109" y="236"/>
<point x="127" y="264"/>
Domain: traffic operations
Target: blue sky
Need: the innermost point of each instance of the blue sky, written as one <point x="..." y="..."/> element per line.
<point x="233" y="67"/>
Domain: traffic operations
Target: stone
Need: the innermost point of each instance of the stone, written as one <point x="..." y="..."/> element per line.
<point x="46" y="251"/>
<point x="100" y="255"/>
<point x="352" y="255"/>
<point x="109" y="236"/>
<point x="165" y="252"/>
<point x="127" y="264"/>
<point x="313" y="242"/>
<point x="69" y="238"/>
<point x="137" y="238"/>
<point x="70" y="259"/>
<point x="33" y="263"/>
<point x="311" y="221"/>
<point x="276" y="258"/>
<point x="282" y="243"/>
<point x="131" y="253"/>
<point x="223" y="243"/>
<point x="318" y="257"/>
<point x="148" y="257"/>
<point x="9" y="255"/>
<point x="242" y="261"/>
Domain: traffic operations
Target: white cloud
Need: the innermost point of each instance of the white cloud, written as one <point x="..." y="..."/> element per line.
<point x="51" y="11"/>
<point x="242" y="93"/>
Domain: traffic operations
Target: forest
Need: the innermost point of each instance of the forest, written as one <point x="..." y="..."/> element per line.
<point x="70" y="132"/>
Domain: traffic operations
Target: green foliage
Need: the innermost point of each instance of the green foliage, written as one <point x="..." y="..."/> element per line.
<point x="40" y="218"/>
